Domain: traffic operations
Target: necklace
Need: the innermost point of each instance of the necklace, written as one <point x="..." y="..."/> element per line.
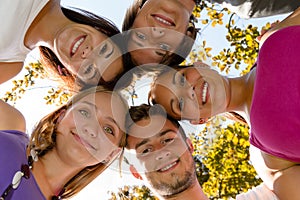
<point x="24" y="172"/>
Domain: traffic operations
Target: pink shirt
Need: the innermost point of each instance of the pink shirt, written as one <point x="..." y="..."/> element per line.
<point x="275" y="110"/>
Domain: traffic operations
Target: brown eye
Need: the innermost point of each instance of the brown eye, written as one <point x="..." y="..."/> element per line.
<point x="168" y="140"/>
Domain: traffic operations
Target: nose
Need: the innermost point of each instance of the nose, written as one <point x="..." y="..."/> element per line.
<point x="163" y="154"/>
<point x="157" y="32"/>
<point x="90" y="131"/>
<point x="189" y="91"/>
<point x="85" y="52"/>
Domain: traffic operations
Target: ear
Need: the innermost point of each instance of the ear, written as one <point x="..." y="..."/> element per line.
<point x="190" y="145"/>
<point x="200" y="121"/>
<point x="135" y="173"/>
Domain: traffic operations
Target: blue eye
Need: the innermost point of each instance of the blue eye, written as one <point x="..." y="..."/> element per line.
<point x="89" y="69"/>
<point x="140" y="36"/>
<point x="103" y="49"/>
<point x="182" y="80"/>
<point x="181" y="103"/>
<point x="84" y="113"/>
<point x="164" y="47"/>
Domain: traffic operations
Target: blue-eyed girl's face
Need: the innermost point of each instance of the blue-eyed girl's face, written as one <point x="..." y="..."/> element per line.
<point x="91" y="130"/>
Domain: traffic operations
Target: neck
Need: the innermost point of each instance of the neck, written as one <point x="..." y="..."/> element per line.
<point x="52" y="174"/>
<point x="46" y="25"/>
<point x="191" y="193"/>
<point x="241" y="90"/>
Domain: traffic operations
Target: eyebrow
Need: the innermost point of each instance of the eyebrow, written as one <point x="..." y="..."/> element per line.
<point x="90" y="104"/>
<point x="144" y="141"/>
<point x="136" y="42"/>
<point x="108" y="118"/>
<point x="113" y="121"/>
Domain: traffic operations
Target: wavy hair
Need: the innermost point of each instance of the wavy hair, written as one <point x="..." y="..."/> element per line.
<point x="43" y="140"/>
<point x="53" y="66"/>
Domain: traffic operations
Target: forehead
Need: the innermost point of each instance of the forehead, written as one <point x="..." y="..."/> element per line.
<point x="106" y="103"/>
<point x="149" y="129"/>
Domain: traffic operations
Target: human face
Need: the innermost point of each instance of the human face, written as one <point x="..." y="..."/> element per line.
<point x="158" y="28"/>
<point x="90" y="131"/>
<point x="192" y="93"/>
<point x="88" y="53"/>
<point x="164" y="159"/>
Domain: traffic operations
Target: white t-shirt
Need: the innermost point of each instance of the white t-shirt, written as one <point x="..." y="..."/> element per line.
<point x="16" y="16"/>
<point x="260" y="192"/>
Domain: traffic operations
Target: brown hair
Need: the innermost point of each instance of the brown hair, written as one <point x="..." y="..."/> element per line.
<point x="43" y="139"/>
<point x="184" y="47"/>
<point x="144" y="111"/>
<point x="56" y="70"/>
<point x="231" y="114"/>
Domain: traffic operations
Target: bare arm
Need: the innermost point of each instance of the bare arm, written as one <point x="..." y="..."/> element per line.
<point x="11" y="118"/>
<point x="286" y="184"/>
<point x="9" y="70"/>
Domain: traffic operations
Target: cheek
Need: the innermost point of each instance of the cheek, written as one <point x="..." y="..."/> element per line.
<point x="146" y="163"/>
<point x="191" y="109"/>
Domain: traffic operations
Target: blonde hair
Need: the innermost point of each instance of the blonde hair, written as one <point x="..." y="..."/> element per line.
<point x="43" y="139"/>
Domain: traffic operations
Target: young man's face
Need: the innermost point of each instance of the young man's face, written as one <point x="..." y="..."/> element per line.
<point x="163" y="158"/>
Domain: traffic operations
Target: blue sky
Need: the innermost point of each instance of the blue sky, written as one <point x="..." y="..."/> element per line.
<point x="114" y="10"/>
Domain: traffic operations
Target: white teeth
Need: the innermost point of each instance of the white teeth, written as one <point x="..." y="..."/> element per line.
<point x="168" y="167"/>
<point x="163" y="21"/>
<point x="204" y="92"/>
<point x="76" y="45"/>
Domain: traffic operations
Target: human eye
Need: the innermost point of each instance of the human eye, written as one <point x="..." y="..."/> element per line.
<point x="89" y="69"/>
<point x="140" y="36"/>
<point x="181" y="103"/>
<point x="146" y="151"/>
<point x="164" y="47"/>
<point x="103" y="49"/>
<point x="108" y="130"/>
<point x="182" y="80"/>
<point x="84" y="113"/>
<point x="167" y="141"/>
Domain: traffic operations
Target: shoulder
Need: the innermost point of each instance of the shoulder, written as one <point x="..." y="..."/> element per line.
<point x="9" y="70"/>
<point x="11" y="118"/>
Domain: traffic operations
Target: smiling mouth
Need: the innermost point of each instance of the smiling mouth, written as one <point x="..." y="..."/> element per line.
<point x="82" y="142"/>
<point x="169" y="166"/>
<point x="163" y="20"/>
<point x="204" y="93"/>
<point x="76" y="44"/>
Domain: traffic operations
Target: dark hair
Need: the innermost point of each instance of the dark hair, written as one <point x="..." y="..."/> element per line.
<point x="55" y="68"/>
<point x="144" y="111"/>
<point x="184" y="47"/>
<point x="231" y="114"/>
